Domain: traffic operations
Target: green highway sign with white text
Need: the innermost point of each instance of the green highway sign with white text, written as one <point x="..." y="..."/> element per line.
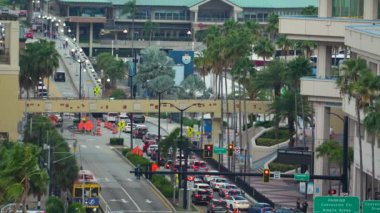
<point x="302" y="177"/>
<point x="220" y="151"/>
<point x="332" y="204"/>
<point x="371" y="206"/>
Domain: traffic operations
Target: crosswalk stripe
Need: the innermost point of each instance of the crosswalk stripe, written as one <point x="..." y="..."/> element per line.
<point x="83" y="146"/>
<point x="98" y="147"/>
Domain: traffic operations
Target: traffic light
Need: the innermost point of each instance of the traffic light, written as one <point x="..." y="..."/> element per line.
<point x="208" y="151"/>
<point x="266" y="175"/>
<point x="230" y="149"/>
<point x="332" y="191"/>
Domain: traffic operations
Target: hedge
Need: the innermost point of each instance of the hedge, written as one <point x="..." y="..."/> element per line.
<point x="163" y="184"/>
<point x="138" y="160"/>
<point x="269" y="138"/>
<point x="117" y="141"/>
<point x="281" y="167"/>
<point x="265" y="124"/>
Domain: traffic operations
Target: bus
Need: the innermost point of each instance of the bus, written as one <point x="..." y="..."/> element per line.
<point x="60" y="76"/>
<point x="86" y="190"/>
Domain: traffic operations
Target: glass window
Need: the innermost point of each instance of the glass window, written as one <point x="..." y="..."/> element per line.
<point x="94" y="192"/>
<point x="347" y="8"/>
<point x="78" y="192"/>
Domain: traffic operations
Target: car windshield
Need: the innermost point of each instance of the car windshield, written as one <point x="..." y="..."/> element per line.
<point x="234" y="192"/>
<point x="203" y="187"/>
<point x="112" y="114"/>
<point x="220" y="180"/>
<point x="196" y="164"/>
<point x="203" y="192"/>
<point x="203" y="164"/>
<point x="239" y="198"/>
<point x="220" y="203"/>
<point x="231" y="187"/>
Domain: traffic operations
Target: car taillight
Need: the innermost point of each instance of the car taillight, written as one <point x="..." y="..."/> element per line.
<point x="197" y="196"/>
<point x="211" y="196"/>
<point x="236" y="202"/>
<point x="212" y="206"/>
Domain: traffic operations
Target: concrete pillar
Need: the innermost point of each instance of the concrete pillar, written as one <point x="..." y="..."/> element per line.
<point x="215" y="130"/>
<point x="324" y="61"/>
<point x="196" y="16"/>
<point x="68" y="11"/>
<point x="235" y="15"/>
<point x="91" y="39"/>
<point x="77" y="33"/>
<point x="325" y="8"/>
<point x="370" y="9"/>
<point x="322" y="133"/>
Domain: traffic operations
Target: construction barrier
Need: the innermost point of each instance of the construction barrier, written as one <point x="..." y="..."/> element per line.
<point x="98" y="129"/>
<point x="115" y="130"/>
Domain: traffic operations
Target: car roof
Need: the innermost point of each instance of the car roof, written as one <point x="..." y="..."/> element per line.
<point x="202" y="184"/>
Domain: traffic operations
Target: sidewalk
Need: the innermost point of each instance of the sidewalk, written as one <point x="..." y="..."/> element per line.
<point x="283" y="193"/>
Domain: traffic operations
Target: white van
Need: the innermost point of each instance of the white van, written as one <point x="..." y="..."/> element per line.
<point x="110" y="117"/>
<point x="123" y="117"/>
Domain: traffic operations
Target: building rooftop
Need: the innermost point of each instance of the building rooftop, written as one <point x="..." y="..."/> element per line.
<point x="189" y="3"/>
<point x="373" y="29"/>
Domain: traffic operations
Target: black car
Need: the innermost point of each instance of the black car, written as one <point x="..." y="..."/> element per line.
<point x="260" y="207"/>
<point x="137" y="117"/>
<point x="201" y="196"/>
<point x="217" y="205"/>
<point x="139" y="132"/>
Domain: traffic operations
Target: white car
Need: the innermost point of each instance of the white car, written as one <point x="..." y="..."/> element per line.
<point x="223" y="188"/>
<point x="204" y="186"/>
<point x="237" y="202"/>
<point x="208" y="178"/>
<point x="217" y="182"/>
<point x="128" y="128"/>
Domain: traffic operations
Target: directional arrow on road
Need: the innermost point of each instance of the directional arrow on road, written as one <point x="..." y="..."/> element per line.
<point x="148" y="201"/>
<point x="124" y="201"/>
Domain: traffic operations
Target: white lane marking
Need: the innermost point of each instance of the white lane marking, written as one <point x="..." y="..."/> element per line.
<point x="129" y="179"/>
<point x="97" y="146"/>
<point x="148" y="201"/>
<point x="124" y="201"/>
<point x="83" y="146"/>
<point x="107" y="180"/>
<point x="129" y="196"/>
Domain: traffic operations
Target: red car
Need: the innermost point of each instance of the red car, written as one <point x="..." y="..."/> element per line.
<point x="22" y="13"/>
<point x="29" y="35"/>
<point x="199" y="165"/>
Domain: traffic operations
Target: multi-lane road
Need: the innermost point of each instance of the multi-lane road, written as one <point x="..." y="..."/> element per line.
<point x="121" y="191"/>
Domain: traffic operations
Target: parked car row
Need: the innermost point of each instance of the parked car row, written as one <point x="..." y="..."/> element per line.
<point x="115" y="117"/>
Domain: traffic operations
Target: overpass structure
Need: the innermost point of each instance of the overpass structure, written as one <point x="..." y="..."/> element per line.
<point x="13" y="108"/>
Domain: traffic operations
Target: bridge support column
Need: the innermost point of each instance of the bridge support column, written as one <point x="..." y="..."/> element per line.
<point x="91" y="40"/>
<point x="77" y="32"/>
<point x="322" y="133"/>
<point x="215" y="130"/>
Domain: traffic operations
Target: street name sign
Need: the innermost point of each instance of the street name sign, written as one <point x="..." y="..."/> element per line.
<point x="371" y="206"/>
<point x="302" y="177"/>
<point x="220" y="150"/>
<point x="327" y="204"/>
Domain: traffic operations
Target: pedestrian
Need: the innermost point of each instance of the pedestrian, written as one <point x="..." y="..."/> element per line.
<point x="304" y="206"/>
<point x="298" y="204"/>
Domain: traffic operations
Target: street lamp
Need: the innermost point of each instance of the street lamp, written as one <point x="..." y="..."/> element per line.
<point x="130" y="76"/>
<point x="183" y="169"/>
<point x="125" y="31"/>
<point x="189" y="35"/>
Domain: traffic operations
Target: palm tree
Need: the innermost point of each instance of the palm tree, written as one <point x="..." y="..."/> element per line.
<point x="351" y="70"/>
<point x="306" y="46"/>
<point x="329" y="149"/>
<point x="54" y="205"/>
<point x="193" y="85"/>
<point x="309" y="11"/>
<point x="19" y="170"/>
<point x="285" y="44"/>
<point x="149" y="29"/>
<point x="130" y="8"/>
<point x="264" y="48"/>
<point x="272" y="26"/>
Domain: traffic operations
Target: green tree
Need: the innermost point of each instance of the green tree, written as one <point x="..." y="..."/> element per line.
<point x="149" y="29"/>
<point x="329" y="149"/>
<point x="285" y="45"/>
<point x="193" y="85"/>
<point x="349" y="85"/>
<point x="19" y="170"/>
<point x="306" y="46"/>
<point x="264" y="48"/>
<point x="76" y="208"/>
<point x="161" y="84"/>
<point x="309" y="11"/>
<point x="54" y="205"/>
<point x="130" y="9"/>
<point x="272" y="26"/>
<point x="118" y="94"/>
<point x="112" y="68"/>
<point x="156" y="63"/>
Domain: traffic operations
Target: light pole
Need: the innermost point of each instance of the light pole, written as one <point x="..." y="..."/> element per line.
<point x="130" y="76"/>
<point x="189" y="35"/>
<point x="185" y="146"/>
<point x="125" y="31"/>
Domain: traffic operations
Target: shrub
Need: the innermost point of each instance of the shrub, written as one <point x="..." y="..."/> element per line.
<point x="269" y="138"/>
<point x="249" y="126"/>
<point x="137" y="160"/>
<point x="117" y="141"/>
<point x="265" y="124"/>
<point x="54" y="205"/>
<point x="125" y="151"/>
<point x="274" y="166"/>
<point x="190" y="122"/>
<point x="76" y="208"/>
<point x="163" y="184"/>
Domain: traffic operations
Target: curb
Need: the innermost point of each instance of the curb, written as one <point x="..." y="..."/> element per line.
<point x="163" y="198"/>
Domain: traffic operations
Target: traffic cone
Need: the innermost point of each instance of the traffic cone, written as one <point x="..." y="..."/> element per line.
<point x="114" y="130"/>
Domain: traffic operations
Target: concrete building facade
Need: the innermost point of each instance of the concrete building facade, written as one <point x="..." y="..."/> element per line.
<point x="354" y="27"/>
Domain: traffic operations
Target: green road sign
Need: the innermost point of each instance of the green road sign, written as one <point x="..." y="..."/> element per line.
<point x="336" y="204"/>
<point x="302" y="177"/>
<point x="371" y="206"/>
<point x="220" y="151"/>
